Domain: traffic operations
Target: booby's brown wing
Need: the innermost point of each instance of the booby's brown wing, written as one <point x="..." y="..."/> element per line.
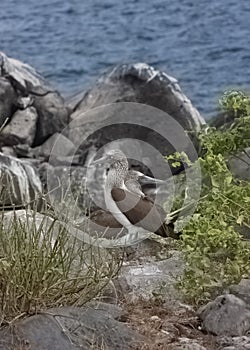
<point x="140" y="211"/>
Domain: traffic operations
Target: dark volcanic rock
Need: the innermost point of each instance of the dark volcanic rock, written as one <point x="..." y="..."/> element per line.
<point x="53" y="115"/>
<point x="22" y="86"/>
<point x="7" y="99"/>
<point x="226" y="315"/>
<point x="71" y="328"/>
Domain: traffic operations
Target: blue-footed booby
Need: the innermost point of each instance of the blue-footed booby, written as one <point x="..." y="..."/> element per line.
<point x="133" y="181"/>
<point x="128" y="205"/>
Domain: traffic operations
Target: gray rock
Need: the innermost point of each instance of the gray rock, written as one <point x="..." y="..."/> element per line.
<point x="21" y="128"/>
<point x="7" y="100"/>
<point x="8" y="151"/>
<point x="65" y="183"/>
<point x="74" y="100"/>
<point x="234" y="343"/>
<point x="53" y="115"/>
<point x="142" y="83"/>
<point x="146" y="249"/>
<point x="24" y="102"/>
<point x="35" y="333"/>
<point x="226" y="315"/>
<point x="55" y="146"/>
<point x="66" y="161"/>
<point x="31" y="88"/>
<point x="20" y="74"/>
<point x="24" y="151"/>
<point x="71" y="328"/>
<point x="187" y="344"/>
<point x="147" y="88"/>
<point x="68" y="183"/>
<point x="222" y="120"/>
<point x="240" y="165"/>
<point x="30" y="218"/>
<point x="19" y="182"/>
<point x="155" y="279"/>
<point x="115" y="311"/>
<point x="242" y="290"/>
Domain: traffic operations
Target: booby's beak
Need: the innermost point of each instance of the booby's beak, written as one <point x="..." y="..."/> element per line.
<point x="147" y="180"/>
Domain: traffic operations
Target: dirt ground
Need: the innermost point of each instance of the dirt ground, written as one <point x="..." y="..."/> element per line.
<point x="164" y="326"/>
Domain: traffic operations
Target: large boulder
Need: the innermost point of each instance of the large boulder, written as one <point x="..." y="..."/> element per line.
<point x="158" y="112"/>
<point x="72" y="328"/>
<point x="19" y="182"/>
<point x="21" y="87"/>
<point x="141" y="83"/>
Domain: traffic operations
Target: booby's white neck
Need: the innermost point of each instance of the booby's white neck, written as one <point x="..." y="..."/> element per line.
<point x="116" y="175"/>
<point x="115" y="178"/>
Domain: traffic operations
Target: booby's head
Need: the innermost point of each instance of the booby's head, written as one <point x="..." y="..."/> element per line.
<point x="113" y="159"/>
<point x="116" y="164"/>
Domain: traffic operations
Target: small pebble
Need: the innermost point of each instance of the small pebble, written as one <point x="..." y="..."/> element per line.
<point x="155" y="318"/>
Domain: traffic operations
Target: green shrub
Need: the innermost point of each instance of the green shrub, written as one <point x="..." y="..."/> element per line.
<point x="237" y="102"/>
<point x="214" y="252"/>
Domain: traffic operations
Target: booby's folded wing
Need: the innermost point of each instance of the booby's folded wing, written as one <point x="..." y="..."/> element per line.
<point x="140" y="211"/>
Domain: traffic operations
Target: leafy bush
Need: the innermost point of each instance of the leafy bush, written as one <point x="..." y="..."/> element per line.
<point x="214" y="252"/>
<point x="237" y="102"/>
<point x="42" y="265"/>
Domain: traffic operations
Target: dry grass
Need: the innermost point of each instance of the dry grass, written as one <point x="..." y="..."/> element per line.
<point x="43" y="266"/>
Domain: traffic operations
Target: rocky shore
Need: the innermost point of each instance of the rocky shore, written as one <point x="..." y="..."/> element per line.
<point x="44" y="149"/>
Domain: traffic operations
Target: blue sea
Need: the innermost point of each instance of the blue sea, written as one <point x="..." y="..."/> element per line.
<point x="204" y="44"/>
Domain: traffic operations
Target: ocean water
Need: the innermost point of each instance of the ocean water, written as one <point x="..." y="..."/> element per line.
<point x="204" y="44"/>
